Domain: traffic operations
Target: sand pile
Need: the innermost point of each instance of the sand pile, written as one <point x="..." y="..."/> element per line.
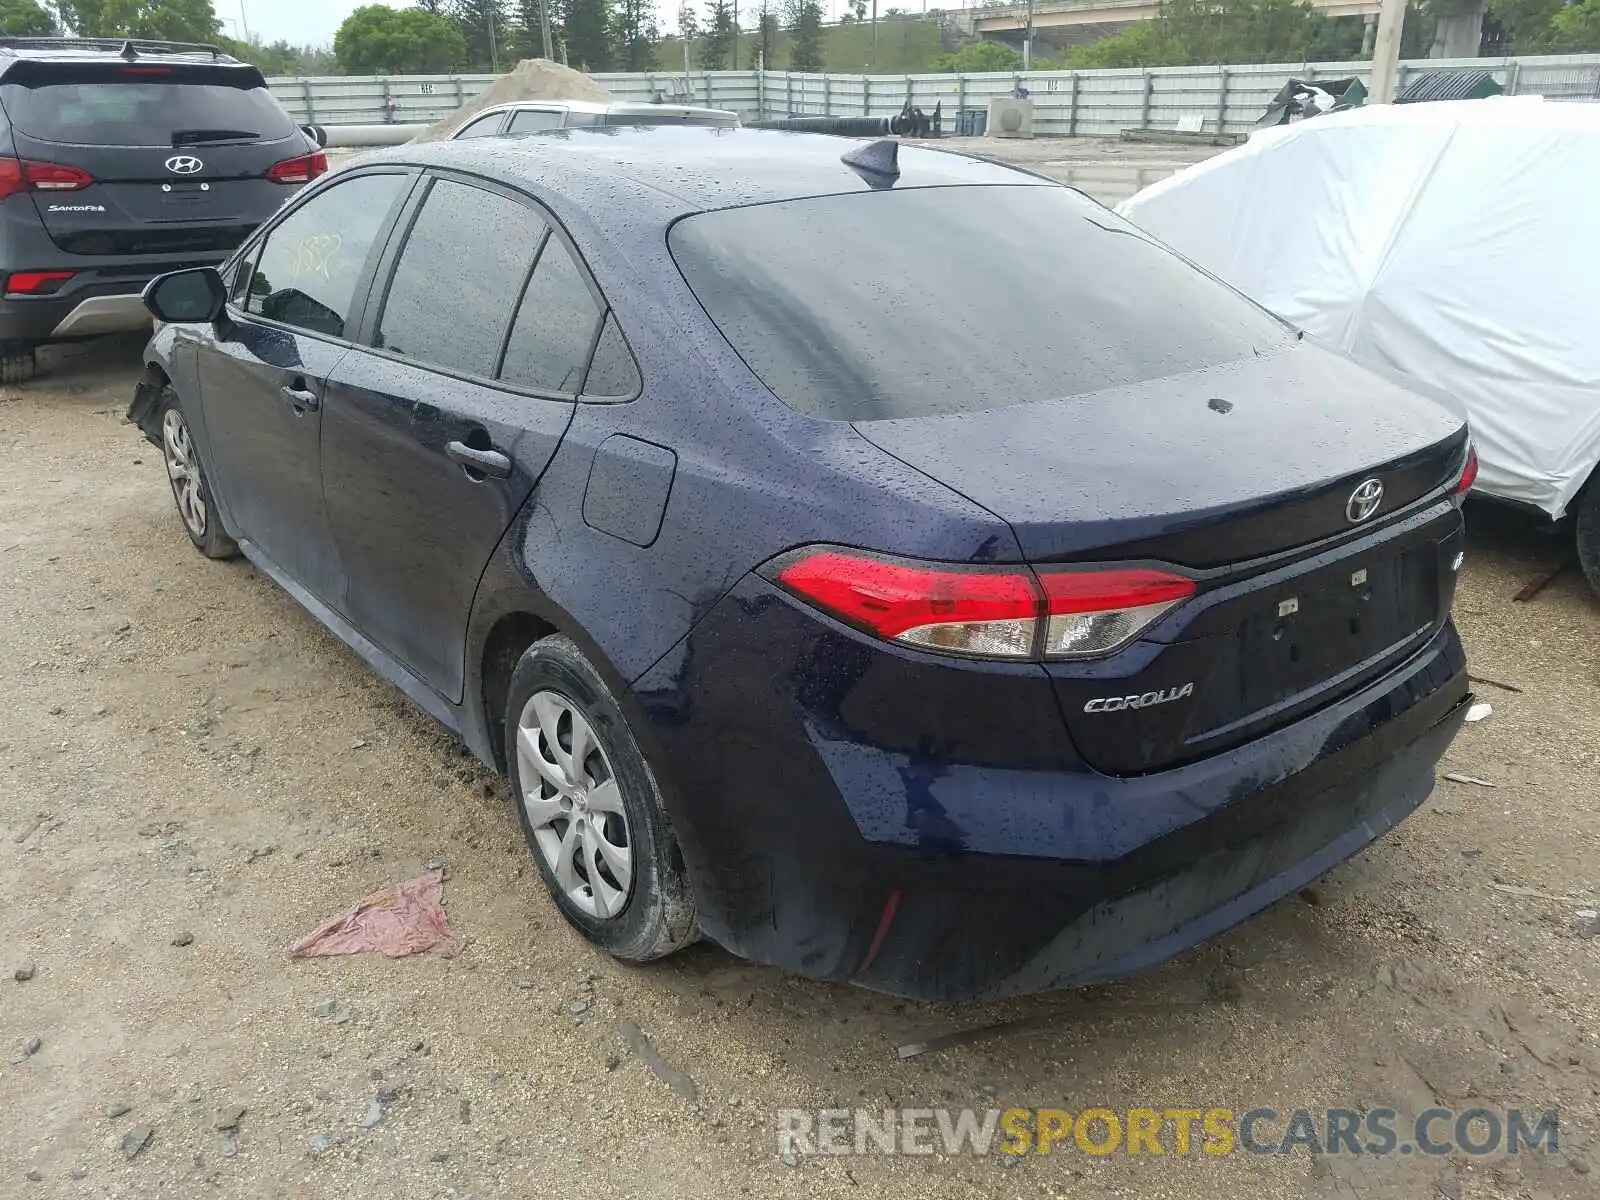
<point x="530" y="79"/>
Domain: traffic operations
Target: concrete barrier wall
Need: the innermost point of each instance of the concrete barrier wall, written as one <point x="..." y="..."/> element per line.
<point x="1066" y="103"/>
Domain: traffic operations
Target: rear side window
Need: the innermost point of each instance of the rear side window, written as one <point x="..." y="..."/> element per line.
<point x="483" y="126"/>
<point x="532" y="120"/>
<point x="308" y="267"/>
<point x="464" y="262"/>
<point x="922" y="301"/>
<point x="555" y="326"/>
<point x="128" y="105"/>
<point x="613" y="375"/>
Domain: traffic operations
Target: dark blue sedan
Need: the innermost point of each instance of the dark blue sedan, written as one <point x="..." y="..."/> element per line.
<point x="887" y="564"/>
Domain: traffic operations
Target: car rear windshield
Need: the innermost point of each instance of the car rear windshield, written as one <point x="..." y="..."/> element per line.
<point x="143" y="106"/>
<point x="902" y="303"/>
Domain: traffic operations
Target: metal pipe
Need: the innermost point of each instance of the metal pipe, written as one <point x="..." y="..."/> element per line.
<point x="369" y="135"/>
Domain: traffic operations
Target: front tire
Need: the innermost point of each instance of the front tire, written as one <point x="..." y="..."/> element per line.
<point x="1588" y="532"/>
<point x="591" y="809"/>
<point x="191" y="491"/>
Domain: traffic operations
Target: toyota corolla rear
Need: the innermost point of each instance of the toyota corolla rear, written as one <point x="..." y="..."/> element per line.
<point x="1203" y="653"/>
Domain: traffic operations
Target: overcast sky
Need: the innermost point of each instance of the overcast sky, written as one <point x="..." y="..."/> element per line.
<point x="314" y="22"/>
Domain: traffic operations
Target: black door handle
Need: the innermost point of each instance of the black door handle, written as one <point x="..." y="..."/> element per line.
<point x="301" y="400"/>
<point x="482" y="462"/>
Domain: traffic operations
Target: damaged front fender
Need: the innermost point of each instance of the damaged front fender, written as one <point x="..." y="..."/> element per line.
<point x="145" y="411"/>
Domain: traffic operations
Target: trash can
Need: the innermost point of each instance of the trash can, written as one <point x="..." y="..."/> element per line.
<point x="972" y="122"/>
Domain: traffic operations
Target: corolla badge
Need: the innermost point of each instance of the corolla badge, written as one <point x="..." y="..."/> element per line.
<point x="1105" y="704"/>
<point x="1364" y="500"/>
<point x="185" y="164"/>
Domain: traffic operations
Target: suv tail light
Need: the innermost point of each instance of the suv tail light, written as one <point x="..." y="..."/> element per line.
<point x="22" y="175"/>
<point x="984" y="612"/>
<point x="36" y="283"/>
<point x="299" y="170"/>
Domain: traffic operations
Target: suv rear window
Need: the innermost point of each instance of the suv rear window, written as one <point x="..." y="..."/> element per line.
<point x="916" y="302"/>
<point x="140" y="105"/>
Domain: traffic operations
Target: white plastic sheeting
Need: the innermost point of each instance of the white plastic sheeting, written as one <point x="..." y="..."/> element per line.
<point x="1454" y="243"/>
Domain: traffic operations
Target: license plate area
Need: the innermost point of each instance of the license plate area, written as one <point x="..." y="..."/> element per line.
<point x="185" y="195"/>
<point x="1317" y="629"/>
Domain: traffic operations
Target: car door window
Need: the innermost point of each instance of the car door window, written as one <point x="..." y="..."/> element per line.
<point x="555" y="326"/>
<point x="238" y="280"/>
<point x="536" y="120"/>
<point x="310" y="263"/>
<point x="613" y="375"/>
<point x="468" y="252"/>
<point x="483" y="127"/>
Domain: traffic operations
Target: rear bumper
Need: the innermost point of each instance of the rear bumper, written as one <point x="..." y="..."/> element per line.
<point x="821" y="840"/>
<point x="94" y="302"/>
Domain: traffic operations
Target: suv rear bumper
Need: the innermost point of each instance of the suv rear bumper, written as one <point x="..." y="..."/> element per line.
<point x="93" y="302"/>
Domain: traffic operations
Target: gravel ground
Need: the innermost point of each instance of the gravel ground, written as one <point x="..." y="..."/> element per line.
<point x="193" y="773"/>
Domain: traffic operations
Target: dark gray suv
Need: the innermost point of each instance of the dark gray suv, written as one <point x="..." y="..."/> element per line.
<point x="120" y="161"/>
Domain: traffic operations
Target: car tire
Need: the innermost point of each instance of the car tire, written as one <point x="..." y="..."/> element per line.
<point x="1588" y="532"/>
<point x="591" y="806"/>
<point x="18" y="362"/>
<point x="191" y="491"/>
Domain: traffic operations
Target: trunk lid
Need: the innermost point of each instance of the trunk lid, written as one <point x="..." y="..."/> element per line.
<point x="176" y="154"/>
<point x="1245" y="476"/>
<point x="1209" y="468"/>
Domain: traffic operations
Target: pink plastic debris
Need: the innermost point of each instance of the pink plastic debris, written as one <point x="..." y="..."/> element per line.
<point x="406" y="918"/>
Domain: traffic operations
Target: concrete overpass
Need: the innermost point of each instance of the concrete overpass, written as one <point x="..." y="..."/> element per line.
<point x="1069" y="22"/>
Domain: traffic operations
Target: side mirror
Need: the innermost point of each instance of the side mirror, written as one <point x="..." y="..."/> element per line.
<point x="186" y="297"/>
<point x="317" y="134"/>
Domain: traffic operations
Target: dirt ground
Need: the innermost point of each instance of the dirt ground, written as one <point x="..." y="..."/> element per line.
<point x="186" y="754"/>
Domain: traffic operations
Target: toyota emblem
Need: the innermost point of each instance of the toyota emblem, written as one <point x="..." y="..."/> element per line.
<point x="1364" y="500"/>
<point x="185" y="164"/>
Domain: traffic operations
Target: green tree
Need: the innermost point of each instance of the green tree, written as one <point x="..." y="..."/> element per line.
<point x="172" y="20"/>
<point x="764" y="20"/>
<point x="487" y="30"/>
<point x="25" y="18"/>
<point x="722" y="36"/>
<point x="1576" y="30"/>
<point x="980" y="56"/>
<point x="636" y="35"/>
<point x="378" y="40"/>
<point x="587" y="26"/>
<point x="527" y="32"/>
<point x="281" y="58"/>
<point x="805" y="35"/>
<point x="1528" y="24"/>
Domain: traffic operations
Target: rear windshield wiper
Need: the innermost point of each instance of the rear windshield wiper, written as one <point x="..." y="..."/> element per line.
<point x="193" y="137"/>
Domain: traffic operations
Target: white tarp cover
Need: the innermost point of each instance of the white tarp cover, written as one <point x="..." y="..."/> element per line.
<point x="1455" y="243"/>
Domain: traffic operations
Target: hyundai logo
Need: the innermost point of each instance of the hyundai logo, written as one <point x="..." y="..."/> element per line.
<point x="185" y="164"/>
<point x="1364" y="500"/>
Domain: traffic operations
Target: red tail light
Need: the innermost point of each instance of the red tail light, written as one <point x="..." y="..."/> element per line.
<point x="299" y="170"/>
<point x="1469" y="472"/>
<point x="36" y="283"/>
<point x="1004" y="612"/>
<point x="22" y="175"/>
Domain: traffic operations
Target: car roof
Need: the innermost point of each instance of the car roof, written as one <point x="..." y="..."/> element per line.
<point x="607" y="108"/>
<point x="89" y="50"/>
<point x="628" y="175"/>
